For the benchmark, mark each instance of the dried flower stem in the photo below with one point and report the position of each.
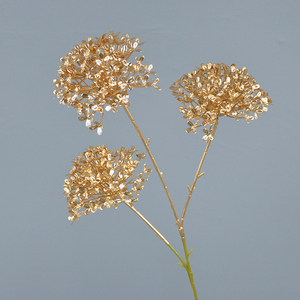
(154, 163)
(191, 189)
(181, 227)
(186, 264)
(157, 233)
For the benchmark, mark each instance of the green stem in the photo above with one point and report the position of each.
(189, 269)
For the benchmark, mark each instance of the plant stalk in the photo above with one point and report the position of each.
(188, 268)
(156, 232)
(197, 176)
(140, 135)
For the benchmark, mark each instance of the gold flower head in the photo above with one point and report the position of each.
(216, 90)
(101, 178)
(97, 73)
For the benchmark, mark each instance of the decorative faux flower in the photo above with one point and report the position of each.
(96, 76)
(101, 178)
(216, 90)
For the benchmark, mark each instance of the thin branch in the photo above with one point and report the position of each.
(154, 163)
(197, 176)
(156, 232)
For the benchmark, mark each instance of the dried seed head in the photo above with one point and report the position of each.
(101, 178)
(216, 90)
(97, 73)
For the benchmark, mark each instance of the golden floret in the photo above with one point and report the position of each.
(216, 90)
(101, 178)
(96, 76)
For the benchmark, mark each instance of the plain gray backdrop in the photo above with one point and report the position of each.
(243, 221)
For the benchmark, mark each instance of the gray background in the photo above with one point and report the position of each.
(243, 221)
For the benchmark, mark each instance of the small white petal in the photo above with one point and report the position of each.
(99, 130)
(88, 123)
(124, 49)
(108, 108)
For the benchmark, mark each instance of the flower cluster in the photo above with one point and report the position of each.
(216, 90)
(96, 76)
(101, 178)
